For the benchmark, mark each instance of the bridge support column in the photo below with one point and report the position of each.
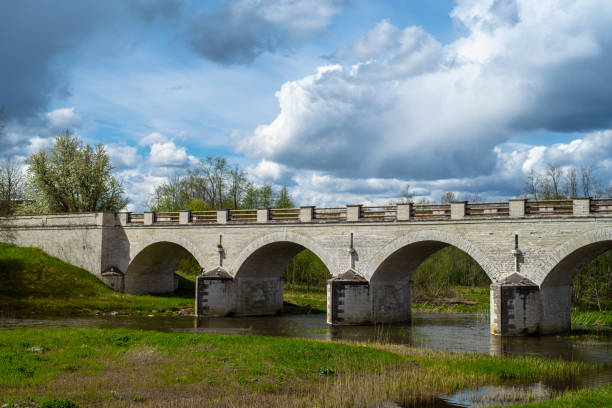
(391, 301)
(348, 300)
(215, 294)
(515, 307)
(556, 309)
(259, 296)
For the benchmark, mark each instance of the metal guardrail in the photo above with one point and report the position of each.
(329, 213)
(601, 205)
(284, 214)
(204, 216)
(136, 218)
(243, 215)
(488, 209)
(384, 212)
(549, 207)
(431, 210)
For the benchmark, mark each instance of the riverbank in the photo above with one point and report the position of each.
(36, 284)
(147, 368)
(599, 397)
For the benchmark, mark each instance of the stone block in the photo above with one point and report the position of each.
(353, 212)
(348, 300)
(222, 216)
(306, 213)
(582, 207)
(149, 218)
(184, 217)
(515, 307)
(517, 207)
(263, 215)
(458, 210)
(404, 211)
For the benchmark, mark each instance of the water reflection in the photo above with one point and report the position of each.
(447, 332)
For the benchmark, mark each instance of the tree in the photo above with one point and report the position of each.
(12, 185)
(587, 181)
(238, 185)
(407, 194)
(572, 183)
(531, 185)
(284, 199)
(71, 177)
(448, 197)
(554, 175)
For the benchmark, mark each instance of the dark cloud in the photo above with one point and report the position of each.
(37, 37)
(238, 32)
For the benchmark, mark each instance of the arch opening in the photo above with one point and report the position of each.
(155, 269)
(578, 289)
(282, 276)
(427, 274)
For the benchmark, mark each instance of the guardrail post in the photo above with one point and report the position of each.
(403, 211)
(353, 212)
(124, 217)
(582, 207)
(184, 217)
(517, 207)
(306, 213)
(222, 216)
(149, 218)
(458, 210)
(263, 215)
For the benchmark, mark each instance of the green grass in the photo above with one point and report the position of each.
(147, 368)
(34, 282)
(599, 397)
(298, 299)
(459, 299)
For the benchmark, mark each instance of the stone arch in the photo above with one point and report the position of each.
(153, 262)
(286, 243)
(415, 247)
(567, 259)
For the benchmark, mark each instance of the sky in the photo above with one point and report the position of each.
(342, 101)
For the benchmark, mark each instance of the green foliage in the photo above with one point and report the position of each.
(71, 177)
(284, 199)
(592, 286)
(307, 270)
(59, 403)
(213, 184)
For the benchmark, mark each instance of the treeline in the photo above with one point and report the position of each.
(214, 184)
(555, 183)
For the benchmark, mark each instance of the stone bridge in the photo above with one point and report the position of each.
(530, 250)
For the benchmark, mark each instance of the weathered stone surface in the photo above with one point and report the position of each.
(551, 250)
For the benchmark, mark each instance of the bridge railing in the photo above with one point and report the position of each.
(284, 214)
(243, 215)
(488, 209)
(385, 212)
(204, 216)
(549, 207)
(167, 217)
(329, 213)
(431, 210)
(516, 208)
(136, 218)
(601, 206)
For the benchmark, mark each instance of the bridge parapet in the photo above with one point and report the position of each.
(462, 210)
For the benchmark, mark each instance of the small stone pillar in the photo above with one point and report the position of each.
(582, 207)
(149, 218)
(348, 299)
(222, 216)
(458, 210)
(515, 306)
(353, 212)
(184, 217)
(215, 293)
(124, 218)
(517, 207)
(105, 218)
(306, 214)
(263, 215)
(404, 211)
(113, 278)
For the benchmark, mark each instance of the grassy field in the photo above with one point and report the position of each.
(599, 397)
(118, 368)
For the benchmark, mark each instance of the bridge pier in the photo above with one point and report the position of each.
(520, 307)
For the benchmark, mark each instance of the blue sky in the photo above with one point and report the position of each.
(342, 101)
